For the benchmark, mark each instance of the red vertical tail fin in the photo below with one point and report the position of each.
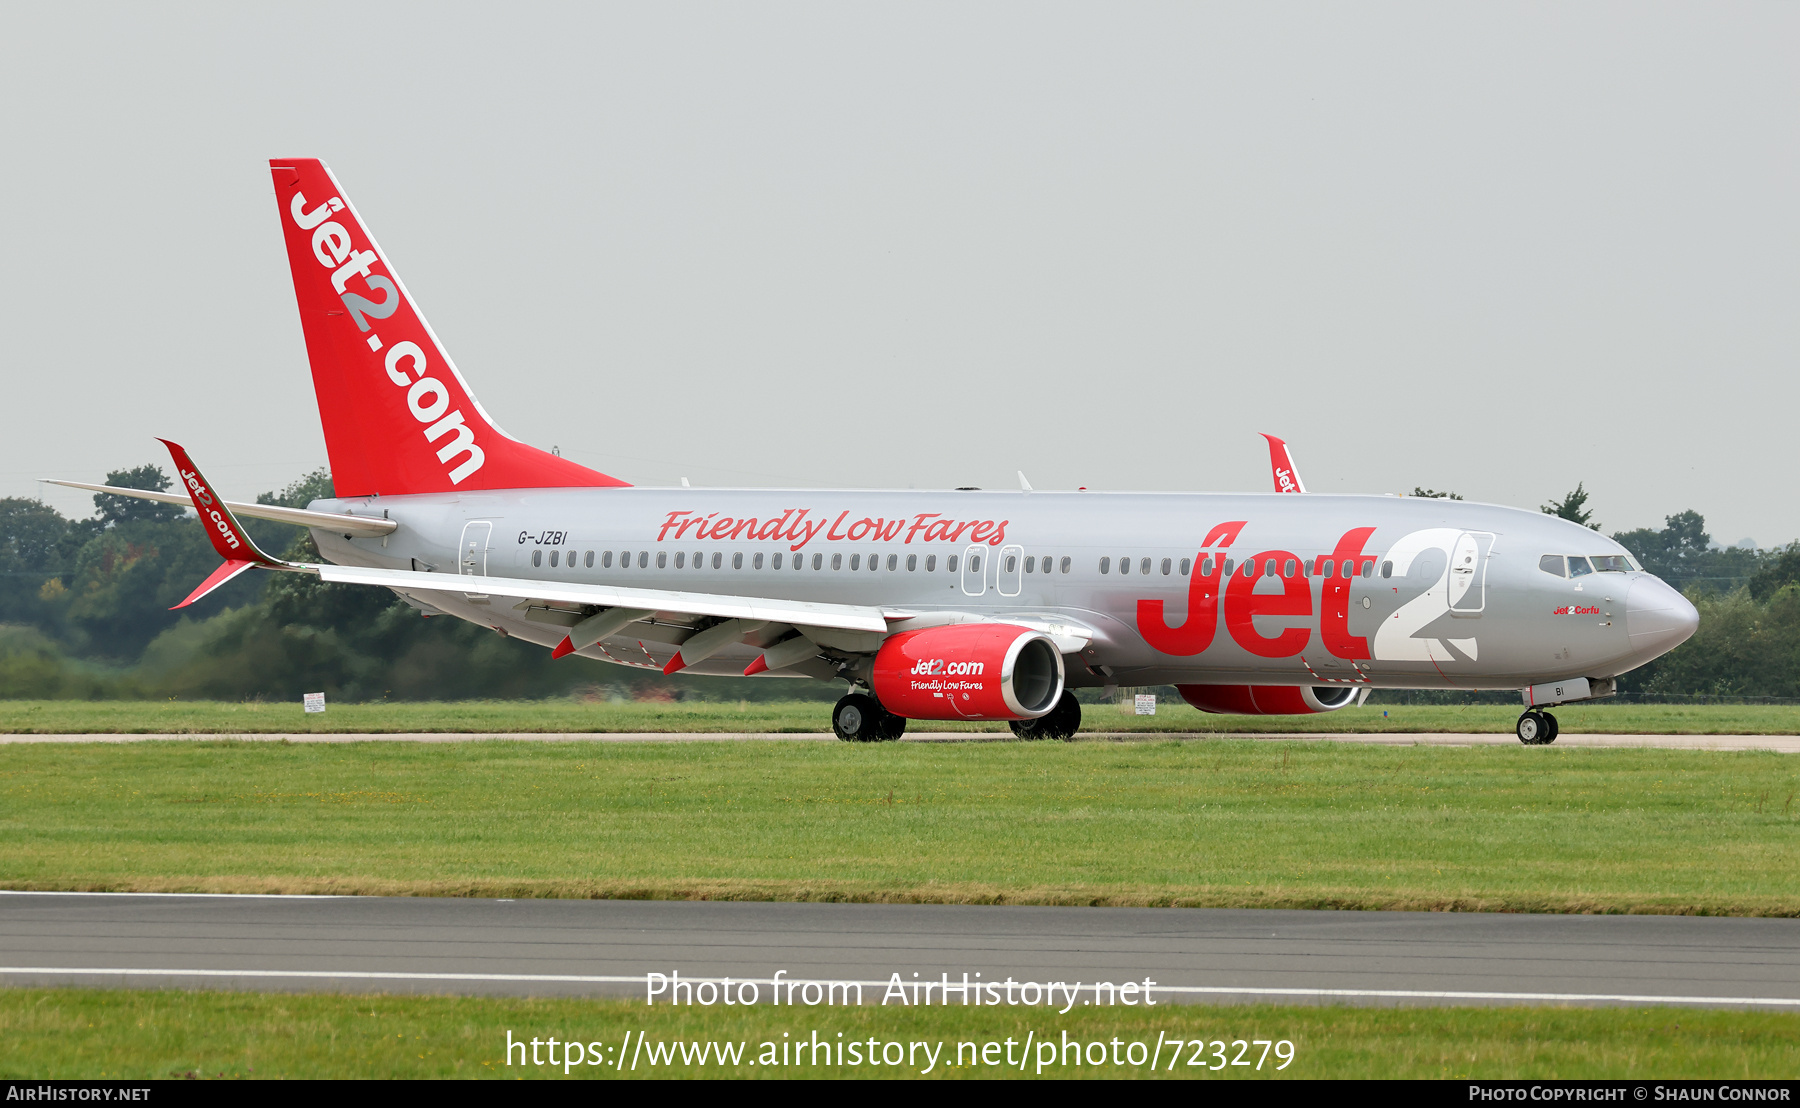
(398, 416)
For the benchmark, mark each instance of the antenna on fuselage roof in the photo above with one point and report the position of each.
(684, 483)
(1024, 485)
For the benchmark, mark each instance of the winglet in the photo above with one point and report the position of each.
(228, 535)
(1281, 465)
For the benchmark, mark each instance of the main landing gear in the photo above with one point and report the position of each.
(1061, 722)
(1537, 728)
(862, 719)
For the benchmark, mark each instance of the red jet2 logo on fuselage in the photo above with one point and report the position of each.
(1210, 594)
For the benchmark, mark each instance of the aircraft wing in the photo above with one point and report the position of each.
(342, 524)
(848, 617)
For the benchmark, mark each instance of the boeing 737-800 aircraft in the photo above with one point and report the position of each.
(957, 604)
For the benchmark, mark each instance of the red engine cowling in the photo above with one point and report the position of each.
(1268, 700)
(969, 671)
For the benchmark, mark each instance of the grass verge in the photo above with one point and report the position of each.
(1221, 824)
(577, 716)
(88, 1034)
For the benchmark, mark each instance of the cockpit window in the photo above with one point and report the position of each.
(1552, 564)
(1611, 563)
(1578, 567)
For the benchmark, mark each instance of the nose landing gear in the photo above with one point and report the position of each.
(1536, 728)
(862, 719)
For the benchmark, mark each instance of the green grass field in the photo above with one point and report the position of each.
(1226, 823)
(77, 1033)
(576, 716)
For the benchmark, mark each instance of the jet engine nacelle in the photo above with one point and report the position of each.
(1268, 700)
(969, 671)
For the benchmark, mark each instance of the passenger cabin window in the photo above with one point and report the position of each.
(775, 561)
(662, 559)
(537, 557)
(837, 561)
(1229, 565)
(1067, 563)
(1578, 567)
(950, 564)
(894, 562)
(1288, 568)
(1387, 569)
(1012, 562)
(912, 563)
(1124, 565)
(1611, 563)
(818, 561)
(1369, 568)
(1552, 564)
(1186, 564)
(1328, 569)
(756, 562)
(1268, 567)
(699, 560)
(589, 560)
(974, 563)
(737, 560)
(931, 563)
(681, 559)
(606, 559)
(1105, 565)
(718, 559)
(1144, 566)
(553, 555)
(1206, 566)
(1030, 564)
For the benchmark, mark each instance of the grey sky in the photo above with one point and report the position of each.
(1492, 248)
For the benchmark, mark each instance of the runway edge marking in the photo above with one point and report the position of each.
(635, 979)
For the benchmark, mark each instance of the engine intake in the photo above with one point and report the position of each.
(969, 671)
(1268, 700)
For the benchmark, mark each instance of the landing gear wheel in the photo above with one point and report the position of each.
(892, 726)
(1536, 728)
(858, 719)
(1060, 722)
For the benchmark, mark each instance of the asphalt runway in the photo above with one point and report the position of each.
(576, 947)
(1784, 744)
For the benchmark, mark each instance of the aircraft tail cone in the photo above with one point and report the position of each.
(562, 648)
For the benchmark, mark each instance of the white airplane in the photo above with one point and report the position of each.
(951, 604)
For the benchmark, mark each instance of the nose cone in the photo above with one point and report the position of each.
(1657, 618)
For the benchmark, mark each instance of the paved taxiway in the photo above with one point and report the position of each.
(575, 947)
(1784, 744)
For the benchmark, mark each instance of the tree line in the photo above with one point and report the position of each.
(84, 612)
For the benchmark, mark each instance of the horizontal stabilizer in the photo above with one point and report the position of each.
(342, 524)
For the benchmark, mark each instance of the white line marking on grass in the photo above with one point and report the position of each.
(641, 979)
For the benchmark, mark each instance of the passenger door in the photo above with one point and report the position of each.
(1467, 583)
